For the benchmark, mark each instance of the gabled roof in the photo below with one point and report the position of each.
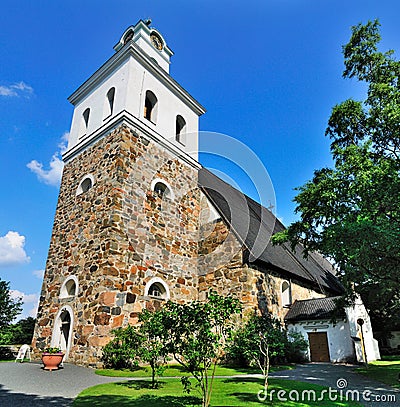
(254, 224)
(319, 308)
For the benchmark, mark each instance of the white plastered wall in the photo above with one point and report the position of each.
(355, 313)
(339, 338)
(131, 81)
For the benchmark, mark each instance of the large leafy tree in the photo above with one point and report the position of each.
(351, 212)
(10, 308)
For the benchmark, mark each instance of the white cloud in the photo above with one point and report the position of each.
(12, 249)
(51, 176)
(38, 273)
(16, 90)
(64, 142)
(29, 299)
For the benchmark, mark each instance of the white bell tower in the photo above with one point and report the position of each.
(134, 87)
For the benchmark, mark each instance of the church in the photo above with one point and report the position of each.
(139, 221)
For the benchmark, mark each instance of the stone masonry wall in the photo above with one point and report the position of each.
(115, 238)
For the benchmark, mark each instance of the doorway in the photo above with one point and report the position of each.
(319, 347)
(62, 331)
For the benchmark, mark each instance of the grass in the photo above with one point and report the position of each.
(13, 360)
(233, 392)
(386, 370)
(178, 371)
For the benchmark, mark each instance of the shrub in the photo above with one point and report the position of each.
(7, 352)
(122, 351)
(243, 350)
(295, 347)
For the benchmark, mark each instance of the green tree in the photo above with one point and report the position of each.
(10, 308)
(153, 348)
(350, 213)
(23, 330)
(244, 348)
(142, 343)
(197, 333)
(19, 333)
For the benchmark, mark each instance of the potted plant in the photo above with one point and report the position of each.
(51, 358)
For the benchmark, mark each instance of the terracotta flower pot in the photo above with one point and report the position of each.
(51, 361)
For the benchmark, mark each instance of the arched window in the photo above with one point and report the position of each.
(286, 294)
(109, 108)
(180, 129)
(85, 121)
(157, 288)
(86, 183)
(150, 106)
(69, 288)
(161, 188)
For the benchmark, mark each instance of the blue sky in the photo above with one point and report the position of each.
(268, 73)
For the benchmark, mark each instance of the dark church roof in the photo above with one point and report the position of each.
(319, 308)
(254, 224)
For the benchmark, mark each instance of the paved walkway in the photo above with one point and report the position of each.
(343, 377)
(26, 384)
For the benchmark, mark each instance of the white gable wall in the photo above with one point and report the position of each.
(339, 338)
(355, 313)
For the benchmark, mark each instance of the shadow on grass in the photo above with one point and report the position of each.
(142, 401)
(241, 380)
(141, 384)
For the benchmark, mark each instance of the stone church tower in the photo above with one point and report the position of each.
(140, 221)
(126, 224)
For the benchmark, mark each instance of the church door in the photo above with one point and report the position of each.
(319, 347)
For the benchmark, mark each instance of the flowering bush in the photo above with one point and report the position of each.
(52, 350)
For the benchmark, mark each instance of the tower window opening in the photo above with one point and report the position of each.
(128, 36)
(150, 106)
(85, 121)
(180, 129)
(110, 102)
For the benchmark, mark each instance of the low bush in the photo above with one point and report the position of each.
(283, 346)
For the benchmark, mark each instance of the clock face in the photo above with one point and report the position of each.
(156, 41)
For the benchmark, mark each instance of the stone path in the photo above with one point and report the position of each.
(27, 384)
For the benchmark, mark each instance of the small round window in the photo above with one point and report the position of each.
(69, 288)
(86, 183)
(157, 288)
(162, 189)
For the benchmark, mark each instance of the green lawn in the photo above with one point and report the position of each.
(386, 370)
(178, 371)
(226, 392)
